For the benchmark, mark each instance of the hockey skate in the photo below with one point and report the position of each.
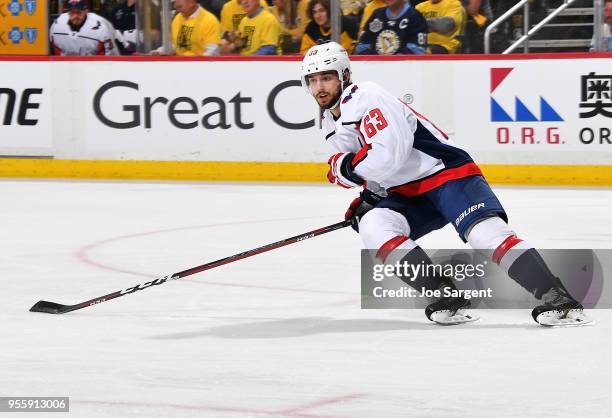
(450, 311)
(560, 310)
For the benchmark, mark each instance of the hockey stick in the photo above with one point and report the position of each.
(57, 308)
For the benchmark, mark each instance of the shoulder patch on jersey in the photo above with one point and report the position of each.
(375, 25)
(98, 24)
(350, 95)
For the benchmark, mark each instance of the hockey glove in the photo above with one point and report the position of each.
(361, 205)
(341, 171)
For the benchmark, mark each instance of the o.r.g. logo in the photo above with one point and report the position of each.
(524, 133)
(522, 112)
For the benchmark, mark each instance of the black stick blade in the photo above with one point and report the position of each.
(48, 307)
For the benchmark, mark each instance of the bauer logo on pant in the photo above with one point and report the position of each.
(467, 212)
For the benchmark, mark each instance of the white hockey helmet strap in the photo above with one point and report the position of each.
(330, 56)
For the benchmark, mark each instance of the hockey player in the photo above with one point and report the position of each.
(416, 180)
(396, 29)
(80, 32)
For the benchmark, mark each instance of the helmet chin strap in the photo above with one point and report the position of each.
(342, 87)
(337, 101)
(341, 78)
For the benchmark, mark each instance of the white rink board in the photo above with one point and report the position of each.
(25, 107)
(247, 131)
(215, 111)
(241, 128)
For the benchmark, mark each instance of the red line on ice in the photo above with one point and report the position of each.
(290, 412)
(321, 402)
(82, 254)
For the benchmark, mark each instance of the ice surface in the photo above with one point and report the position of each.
(277, 335)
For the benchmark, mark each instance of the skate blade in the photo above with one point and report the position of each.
(556, 319)
(460, 317)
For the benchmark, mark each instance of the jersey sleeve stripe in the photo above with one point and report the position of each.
(361, 155)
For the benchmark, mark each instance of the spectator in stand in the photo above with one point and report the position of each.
(446, 21)
(396, 29)
(232, 13)
(375, 5)
(353, 9)
(479, 16)
(293, 18)
(81, 32)
(318, 29)
(606, 29)
(258, 32)
(123, 18)
(195, 31)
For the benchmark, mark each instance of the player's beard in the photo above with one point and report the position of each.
(77, 23)
(332, 102)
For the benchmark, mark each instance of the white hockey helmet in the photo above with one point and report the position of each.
(330, 56)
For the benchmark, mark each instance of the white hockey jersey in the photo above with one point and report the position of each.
(393, 145)
(95, 37)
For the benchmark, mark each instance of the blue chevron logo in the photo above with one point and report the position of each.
(523, 113)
